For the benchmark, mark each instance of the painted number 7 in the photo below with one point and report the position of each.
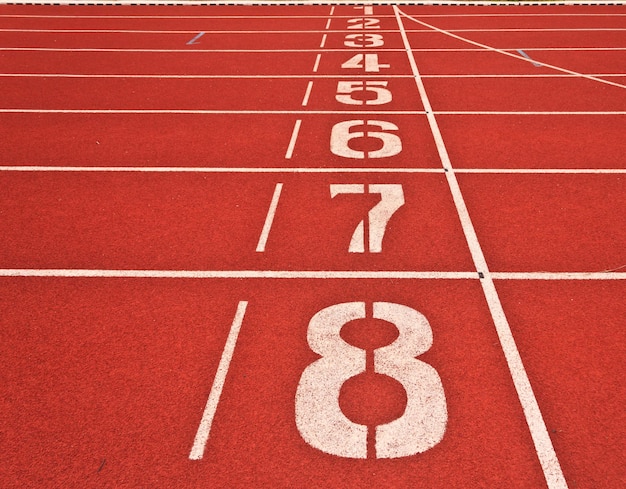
(392, 198)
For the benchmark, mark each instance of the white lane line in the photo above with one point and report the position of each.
(527, 112)
(318, 112)
(306, 31)
(184, 77)
(525, 75)
(317, 62)
(194, 51)
(559, 275)
(307, 94)
(235, 274)
(323, 43)
(270, 51)
(204, 430)
(269, 219)
(292, 141)
(223, 169)
(543, 444)
(301, 274)
(543, 171)
(449, 33)
(204, 169)
(206, 112)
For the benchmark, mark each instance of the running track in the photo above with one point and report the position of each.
(211, 216)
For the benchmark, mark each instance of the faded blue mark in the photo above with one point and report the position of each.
(193, 41)
(535, 64)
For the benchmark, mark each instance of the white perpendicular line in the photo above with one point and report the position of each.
(539, 433)
(293, 139)
(204, 430)
(269, 219)
(450, 33)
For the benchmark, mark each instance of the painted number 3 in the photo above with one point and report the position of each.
(319, 418)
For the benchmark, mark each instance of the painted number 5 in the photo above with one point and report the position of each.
(319, 418)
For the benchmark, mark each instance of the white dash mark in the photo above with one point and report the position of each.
(307, 94)
(323, 43)
(294, 137)
(202, 436)
(332, 10)
(317, 62)
(269, 220)
(328, 24)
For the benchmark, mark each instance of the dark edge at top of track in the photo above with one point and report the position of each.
(209, 3)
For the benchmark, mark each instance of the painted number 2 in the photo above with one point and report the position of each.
(319, 418)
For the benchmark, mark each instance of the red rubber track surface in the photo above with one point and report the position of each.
(144, 146)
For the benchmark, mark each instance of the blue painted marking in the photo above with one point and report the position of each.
(193, 41)
(535, 64)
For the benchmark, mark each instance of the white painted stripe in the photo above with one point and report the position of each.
(269, 219)
(541, 438)
(323, 43)
(559, 275)
(449, 33)
(535, 75)
(204, 430)
(317, 62)
(300, 112)
(189, 51)
(526, 112)
(204, 169)
(303, 50)
(328, 24)
(177, 17)
(302, 274)
(205, 112)
(543, 171)
(292, 141)
(234, 274)
(295, 76)
(303, 31)
(307, 94)
(184, 77)
(307, 31)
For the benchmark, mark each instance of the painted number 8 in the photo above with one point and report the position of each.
(319, 418)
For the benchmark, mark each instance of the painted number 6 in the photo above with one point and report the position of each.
(340, 137)
(319, 418)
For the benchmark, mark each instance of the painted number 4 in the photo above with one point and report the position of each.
(319, 418)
